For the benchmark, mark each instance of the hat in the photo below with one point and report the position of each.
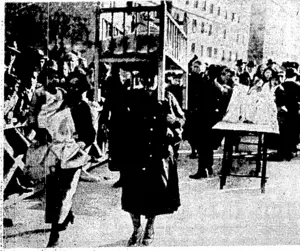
(240, 62)
(291, 72)
(251, 64)
(14, 47)
(270, 62)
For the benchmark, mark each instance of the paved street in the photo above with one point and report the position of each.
(237, 215)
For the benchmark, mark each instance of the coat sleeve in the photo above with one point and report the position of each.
(83, 123)
(176, 115)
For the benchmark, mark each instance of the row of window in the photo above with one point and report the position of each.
(213, 52)
(212, 10)
(210, 31)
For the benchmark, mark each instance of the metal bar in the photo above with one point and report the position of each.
(227, 160)
(258, 157)
(135, 31)
(264, 166)
(131, 9)
(161, 52)
(245, 176)
(176, 24)
(148, 30)
(124, 32)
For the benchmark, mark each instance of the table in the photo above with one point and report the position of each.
(258, 130)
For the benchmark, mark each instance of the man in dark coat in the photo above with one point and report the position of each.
(288, 101)
(213, 100)
(150, 179)
(116, 113)
(196, 79)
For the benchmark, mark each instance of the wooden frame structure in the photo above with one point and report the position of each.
(141, 36)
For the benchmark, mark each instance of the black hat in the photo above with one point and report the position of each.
(291, 72)
(251, 64)
(270, 62)
(240, 62)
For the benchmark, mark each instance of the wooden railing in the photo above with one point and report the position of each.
(176, 42)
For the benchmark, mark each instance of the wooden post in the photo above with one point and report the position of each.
(161, 50)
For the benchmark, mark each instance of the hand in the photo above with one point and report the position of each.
(81, 144)
(171, 119)
(170, 134)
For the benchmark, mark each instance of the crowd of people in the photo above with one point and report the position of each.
(52, 103)
(259, 94)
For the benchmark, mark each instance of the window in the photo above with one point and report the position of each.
(204, 6)
(226, 14)
(224, 34)
(210, 30)
(193, 47)
(230, 55)
(194, 25)
(211, 11)
(236, 56)
(201, 50)
(219, 11)
(209, 52)
(187, 2)
(239, 19)
(177, 16)
(223, 56)
(215, 52)
(202, 27)
(232, 16)
(196, 4)
(237, 37)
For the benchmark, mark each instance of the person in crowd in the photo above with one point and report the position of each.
(251, 70)
(288, 100)
(116, 112)
(196, 79)
(64, 126)
(176, 115)
(242, 73)
(211, 99)
(150, 179)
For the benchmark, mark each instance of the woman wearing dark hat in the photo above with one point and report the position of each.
(150, 179)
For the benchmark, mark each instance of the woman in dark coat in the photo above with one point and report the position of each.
(150, 180)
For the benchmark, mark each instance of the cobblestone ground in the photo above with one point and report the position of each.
(237, 215)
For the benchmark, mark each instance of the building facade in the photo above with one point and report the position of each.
(218, 31)
(275, 31)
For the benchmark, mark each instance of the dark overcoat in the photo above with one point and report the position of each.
(150, 174)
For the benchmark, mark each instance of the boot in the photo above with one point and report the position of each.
(149, 232)
(137, 231)
(54, 237)
(69, 219)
